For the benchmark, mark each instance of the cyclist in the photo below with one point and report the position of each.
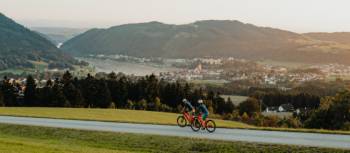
(203, 109)
(187, 106)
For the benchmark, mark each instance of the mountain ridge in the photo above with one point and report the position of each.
(215, 38)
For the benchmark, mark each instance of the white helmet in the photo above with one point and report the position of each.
(200, 101)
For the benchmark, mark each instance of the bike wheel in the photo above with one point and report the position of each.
(181, 121)
(196, 125)
(210, 126)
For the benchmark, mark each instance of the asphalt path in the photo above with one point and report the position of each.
(275, 137)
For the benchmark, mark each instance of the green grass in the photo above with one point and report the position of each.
(29, 139)
(133, 116)
(111, 115)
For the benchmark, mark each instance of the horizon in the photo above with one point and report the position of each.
(296, 16)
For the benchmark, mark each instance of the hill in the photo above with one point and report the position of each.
(207, 38)
(339, 37)
(58, 35)
(21, 47)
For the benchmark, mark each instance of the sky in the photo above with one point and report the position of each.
(294, 15)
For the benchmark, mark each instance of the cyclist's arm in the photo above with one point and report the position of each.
(183, 109)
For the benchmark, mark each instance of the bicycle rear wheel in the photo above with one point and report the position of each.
(196, 125)
(210, 126)
(181, 121)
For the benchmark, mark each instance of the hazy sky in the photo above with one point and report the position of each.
(295, 15)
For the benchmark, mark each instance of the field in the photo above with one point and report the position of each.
(30, 139)
(110, 115)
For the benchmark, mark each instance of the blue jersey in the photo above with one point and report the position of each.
(202, 108)
(188, 106)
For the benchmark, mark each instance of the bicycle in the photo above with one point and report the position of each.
(198, 124)
(184, 118)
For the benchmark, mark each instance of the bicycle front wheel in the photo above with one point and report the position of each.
(181, 121)
(210, 126)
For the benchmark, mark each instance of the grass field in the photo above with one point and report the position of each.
(111, 115)
(133, 116)
(28, 139)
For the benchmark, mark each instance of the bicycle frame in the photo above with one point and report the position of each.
(200, 119)
(188, 117)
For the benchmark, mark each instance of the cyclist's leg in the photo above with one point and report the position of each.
(205, 115)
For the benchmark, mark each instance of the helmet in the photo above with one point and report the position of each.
(200, 101)
(184, 100)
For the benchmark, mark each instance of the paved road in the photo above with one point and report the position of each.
(293, 138)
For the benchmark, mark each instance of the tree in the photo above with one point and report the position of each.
(141, 105)
(130, 104)
(333, 114)
(9, 93)
(220, 105)
(29, 92)
(112, 76)
(245, 117)
(121, 91)
(58, 98)
(103, 95)
(157, 104)
(249, 106)
(229, 106)
(67, 77)
(73, 95)
(1, 99)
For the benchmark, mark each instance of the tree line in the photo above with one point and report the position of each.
(297, 100)
(112, 91)
(152, 93)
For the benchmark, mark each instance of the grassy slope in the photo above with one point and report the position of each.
(111, 115)
(27, 139)
(132, 116)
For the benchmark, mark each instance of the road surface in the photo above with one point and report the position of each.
(289, 138)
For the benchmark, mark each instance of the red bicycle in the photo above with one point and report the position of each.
(199, 123)
(184, 118)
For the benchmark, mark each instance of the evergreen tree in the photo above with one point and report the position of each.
(103, 95)
(250, 106)
(89, 90)
(44, 95)
(121, 92)
(112, 76)
(67, 77)
(229, 107)
(58, 98)
(29, 92)
(73, 95)
(9, 93)
(221, 105)
(112, 84)
(1, 99)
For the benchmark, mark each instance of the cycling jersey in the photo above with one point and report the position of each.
(202, 108)
(188, 106)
